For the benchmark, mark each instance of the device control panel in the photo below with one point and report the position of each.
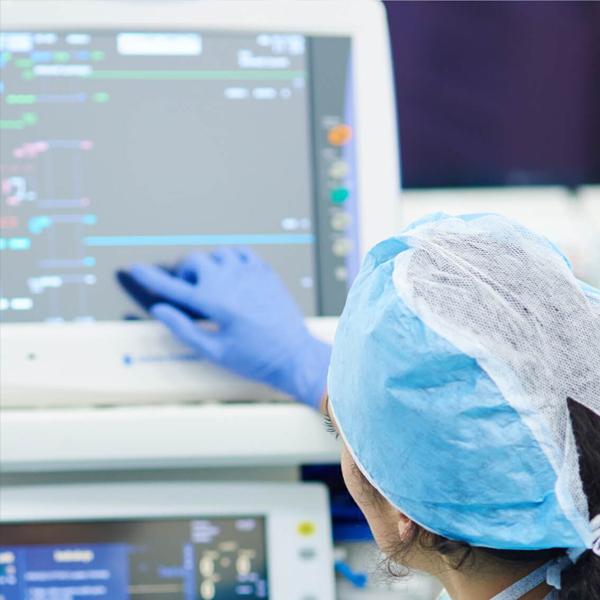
(174, 541)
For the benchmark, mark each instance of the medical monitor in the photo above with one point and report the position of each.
(167, 541)
(141, 131)
(134, 146)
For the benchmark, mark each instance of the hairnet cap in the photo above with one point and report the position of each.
(460, 343)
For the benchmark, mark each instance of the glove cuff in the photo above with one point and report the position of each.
(309, 381)
(303, 372)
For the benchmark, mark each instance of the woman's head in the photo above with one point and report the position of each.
(410, 546)
(461, 340)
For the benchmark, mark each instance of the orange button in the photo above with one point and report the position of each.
(339, 135)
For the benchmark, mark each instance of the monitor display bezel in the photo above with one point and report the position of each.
(284, 506)
(37, 353)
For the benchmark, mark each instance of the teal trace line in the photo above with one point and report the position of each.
(199, 240)
(15, 243)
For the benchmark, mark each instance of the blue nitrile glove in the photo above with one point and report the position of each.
(260, 332)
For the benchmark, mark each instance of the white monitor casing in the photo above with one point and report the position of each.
(298, 530)
(74, 364)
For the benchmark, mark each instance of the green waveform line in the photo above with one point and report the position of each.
(242, 75)
(11, 124)
(21, 99)
(62, 57)
(101, 97)
(27, 120)
(23, 63)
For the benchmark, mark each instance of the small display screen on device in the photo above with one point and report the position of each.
(220, 558)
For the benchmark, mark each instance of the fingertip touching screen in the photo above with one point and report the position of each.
(121, 147)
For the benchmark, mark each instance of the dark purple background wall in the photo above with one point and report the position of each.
(493, 93)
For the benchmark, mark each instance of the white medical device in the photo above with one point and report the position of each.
(176, 541)
(138, 131)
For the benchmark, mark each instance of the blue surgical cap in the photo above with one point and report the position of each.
(460, 342)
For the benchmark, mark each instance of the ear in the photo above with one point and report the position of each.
(404, 524)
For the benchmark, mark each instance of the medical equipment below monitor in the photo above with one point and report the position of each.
(137, 132)
(187, 541)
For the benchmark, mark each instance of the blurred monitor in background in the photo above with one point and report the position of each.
(497, 93)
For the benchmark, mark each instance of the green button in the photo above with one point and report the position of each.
(339, 195)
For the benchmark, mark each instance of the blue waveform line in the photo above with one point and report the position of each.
(62, 98)
(67, 263)
(200, 240)
(39, 56)
(38, 223)
(62, 202)
(15, 243)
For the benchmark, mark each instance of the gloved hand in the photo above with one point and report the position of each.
(260, 333)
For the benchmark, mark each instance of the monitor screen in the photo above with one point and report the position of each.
(199, 559)
(120, 147)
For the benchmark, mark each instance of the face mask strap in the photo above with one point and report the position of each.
(556, 567)
(595, 524)
(554, 571)
(518, 589)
